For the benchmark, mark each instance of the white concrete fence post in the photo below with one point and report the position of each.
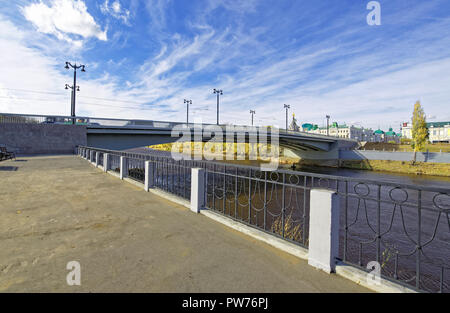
(197, 189)
(149, 172)
(86, 152)
(123, 167)
(323, 229)
(91, 156)
(97, 155)
(105, 162)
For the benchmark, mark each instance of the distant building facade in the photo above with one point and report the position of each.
(389, 136)
(437, 131)
(344, 131)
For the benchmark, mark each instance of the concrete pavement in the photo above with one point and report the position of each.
(56, 209)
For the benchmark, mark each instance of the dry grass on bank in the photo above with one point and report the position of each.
(404, 167)
(383, 146)
(418, 168)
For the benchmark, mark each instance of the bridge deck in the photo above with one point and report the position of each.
(58, 209)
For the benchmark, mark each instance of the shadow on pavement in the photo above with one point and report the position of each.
(8, 168)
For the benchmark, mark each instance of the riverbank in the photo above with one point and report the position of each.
(384, 146)
(402, 167)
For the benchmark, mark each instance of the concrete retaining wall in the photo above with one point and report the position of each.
(42, 138)
(431, 157)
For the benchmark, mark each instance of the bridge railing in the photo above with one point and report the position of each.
(401, 231)
(97, 122)
(82, 120)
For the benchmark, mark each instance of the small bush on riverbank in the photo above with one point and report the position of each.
(291, 231)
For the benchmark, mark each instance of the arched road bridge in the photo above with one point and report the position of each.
(121, 134)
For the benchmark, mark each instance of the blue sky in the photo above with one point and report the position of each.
(144, 57)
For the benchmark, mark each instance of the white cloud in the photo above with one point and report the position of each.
(66, 19)
(115, 10)
(32, 81)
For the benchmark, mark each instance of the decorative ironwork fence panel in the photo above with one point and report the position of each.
(173, 177)
(405, 229)
(136, 169)
(274, 202)
(114, 160)
(100, 158)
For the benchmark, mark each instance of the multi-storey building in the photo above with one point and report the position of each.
(389, 136)
(343, 131)
(437, 131)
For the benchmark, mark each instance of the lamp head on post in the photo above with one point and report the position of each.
(252, 112)
(74, 87)
(287, 107)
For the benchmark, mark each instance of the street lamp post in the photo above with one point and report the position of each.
(187, 109)
(218, 92)
(74, 87)
(287, 107)
(328, 125)
(252, 112)
(72, 99)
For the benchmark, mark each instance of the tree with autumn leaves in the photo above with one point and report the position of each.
(419, 129)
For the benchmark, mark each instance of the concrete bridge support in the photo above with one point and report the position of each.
(324, 158)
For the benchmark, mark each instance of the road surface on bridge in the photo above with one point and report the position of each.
(57, 209)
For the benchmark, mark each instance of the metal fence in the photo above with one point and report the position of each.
(81, 120)
(274, 202)
(136, 169)
(114, 162)
(173, 176)
(405, 228)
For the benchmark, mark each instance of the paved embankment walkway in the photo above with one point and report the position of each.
(57, 209)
